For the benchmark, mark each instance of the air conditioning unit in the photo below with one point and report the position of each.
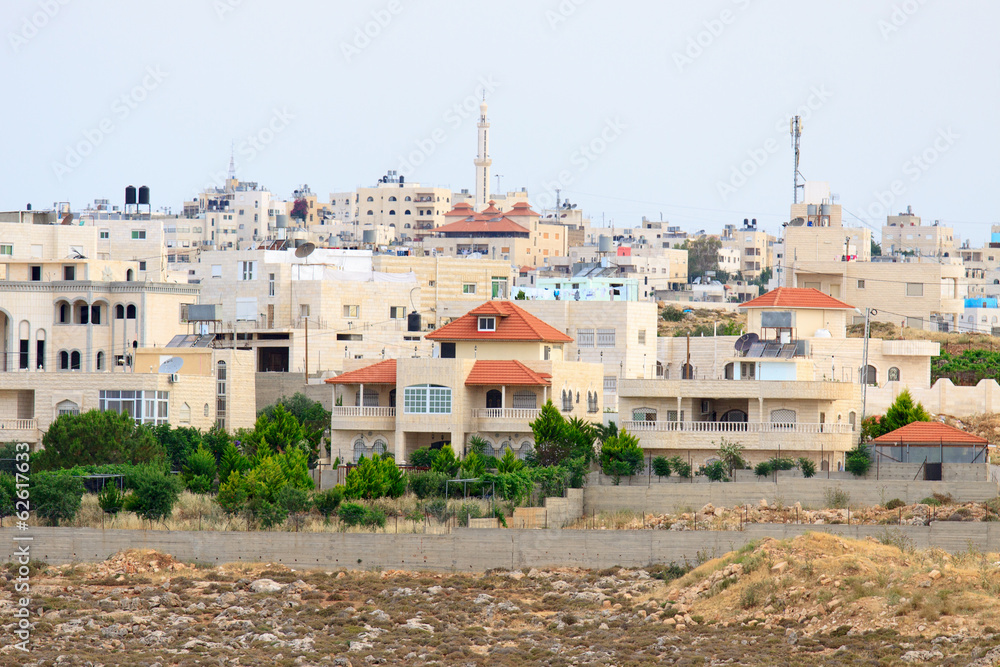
(174, 377)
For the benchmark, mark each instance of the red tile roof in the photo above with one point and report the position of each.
(930, 433)
(504, 372)
(462, 210)
(473, 225)
(521, 208)
(384, 372)
(796, 297)
(513, 324)
(527, 269)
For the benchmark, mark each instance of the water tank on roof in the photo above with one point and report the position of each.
(144, 195)
(369, 236)
(824, 209)
(604, 243)
(413, 322)
(811, 209)
(281, 221)
(130, 195)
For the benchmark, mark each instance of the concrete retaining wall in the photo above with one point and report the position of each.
(465, 549)
(812, 493)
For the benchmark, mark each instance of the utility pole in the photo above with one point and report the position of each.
(307, 349)
(795, 128)
(864, 363)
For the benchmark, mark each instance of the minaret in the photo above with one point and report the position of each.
(483, 160)
(231, 182)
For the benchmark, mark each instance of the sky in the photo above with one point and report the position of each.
(670, 110)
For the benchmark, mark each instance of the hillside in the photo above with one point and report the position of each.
(814, 600)
(700, 321)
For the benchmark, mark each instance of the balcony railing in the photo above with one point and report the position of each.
(363, 411)
(18, 424)
(518, 414)
(736, 427)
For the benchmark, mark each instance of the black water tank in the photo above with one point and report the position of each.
(413, 322)
(144, 195)
(130, 195)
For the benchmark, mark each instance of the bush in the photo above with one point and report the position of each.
(422, 457)
(837, 499)
(621, 455)
(232, 494)
(859, 461)
(468, 511)
(781, 464)
(95, 438)
(895, 503)
(56, 497)
(807, 466)
(111, 499)
(328, 501)
(8, 496)
(438, 508)
(295, 501)
(509, 462)
(762, 469)
(661, 466)
(377, 477)
(355, 514)
(681, 467)
(933, 502)
(154, 493)
(267, 514)
(446, 462)
(199, 472)
(715, 471)
(671, 314)
(427, 484)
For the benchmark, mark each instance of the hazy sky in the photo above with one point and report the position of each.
(667, 108)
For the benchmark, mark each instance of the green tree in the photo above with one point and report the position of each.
(295, 503)
(232, 461)
(199, 471)
(277, 430)
(661, 466)
(311, 415)
(473, 465)
(509, 463)
(111, 499)
(56, 497)
(904, 410)
(731, 455)
(294, 464)
(179, 443)
(680, 466)
(8, 496)
(422, 457)
(552, 446)
(377, 477)
(328, 501)
(703, 254)
(859, 461)
(216, 439)
(232, 496)
(807, 466)
(620, 456)
(445, 461)
(581, 435)
(477, 445)
(154, 493)
(96, 438)
(876, 249)
(714, 471)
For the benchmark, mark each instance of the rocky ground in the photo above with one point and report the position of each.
(814, 600)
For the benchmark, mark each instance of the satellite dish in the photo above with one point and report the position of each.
(305, 250)
(744, 342)
(796, 222)
(67, 219)
(171, 365)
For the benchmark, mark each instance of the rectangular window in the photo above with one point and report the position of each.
(36, 273)
(217, 270)
(69, 272)
(610, 384)
(914, 289)
(397, 312)
(861, 284)
(487, 324)
(142, 266)
(105, 234)
(642, 336)
(427, 399)
(248, 270)
(246, 309)
(6, 249)
(499, 288)
(304, 310)
(23, 361)
(146, 407)
(270, 284)
(468, 288)
(585, 338)
(605, 338)
(138, 234)
(352, 311)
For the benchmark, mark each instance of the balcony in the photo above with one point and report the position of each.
(368, 417)
(504, 419)
(740, 389)
(19, 430)
(767, 436)
(735, 427)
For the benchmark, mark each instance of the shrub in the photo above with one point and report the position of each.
(427, 484)
(468, 511)
(95, 438)
(933, 502)
(577, 470)
(509, 463)
(837, 498)
(661, 466)
(328, 501)
(858, 461)
(199, 472)
(473, 465)
(422, 457)
(781, 464)
(373, 478)
(681, 467)
(111, 499)
(438, 508)
(154, 493)
(714, 471)
(267, 514)
(671, 314)
(56, 497)
(354, 514)
(477, 444)
(895, 503)
(8, 496)
(232, 461)
(731, 455)
(232, 494)
(621, 455)
(762, 469)
(807, 466)
(446, 462)
(295, 501)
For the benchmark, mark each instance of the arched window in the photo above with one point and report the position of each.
(392, 198)
(95, 313)
(490, 449)
(63, 360)
(852, 419)
(371, 199)
(119, 312)
(100, 361)
(40, 349)
(868, 375)
(74, 360)
(734, 416)
(65, 316)
(406, 226)
(567, 400)
(407, 212)
(184, 414)
(525, 400)
(392, 211)
(524, 450)
(494, 398)
(893, 374)
(407, 198)
(503, 448)
(392, 397)
(67, 407)
(371, 212)
(730, 374)
(359, 449)
(130, 312)
(379, 447)
(129, 276)
(83, 312)
(687, 372)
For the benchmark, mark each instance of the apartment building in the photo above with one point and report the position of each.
(905, 234)
(411, 210)
(497, 365)
(753, 246)
(817, 208)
